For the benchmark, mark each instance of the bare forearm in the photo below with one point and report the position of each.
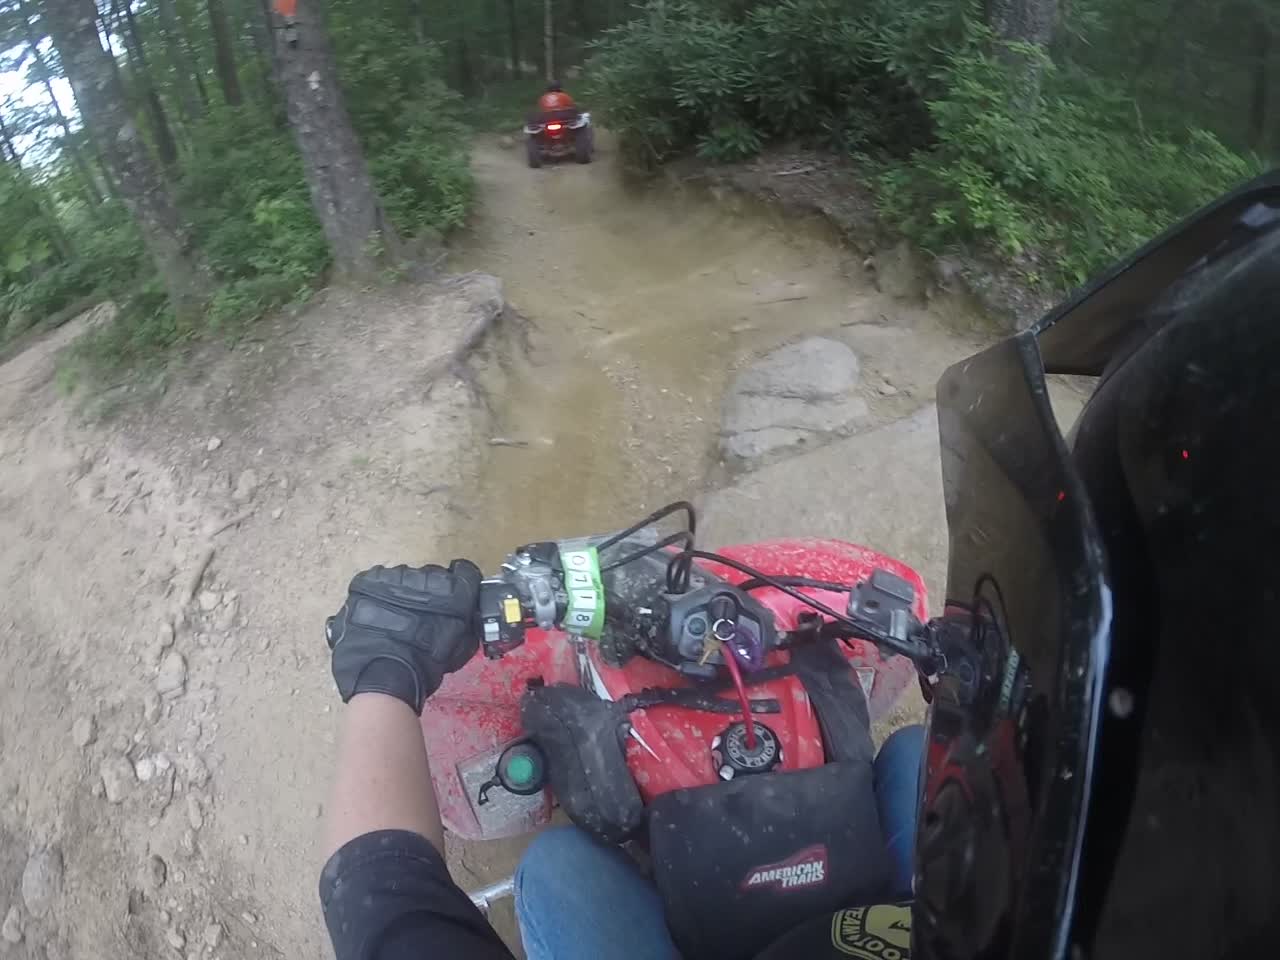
(383, 781)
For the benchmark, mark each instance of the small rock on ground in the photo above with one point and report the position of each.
(209, 600)
(42, 881)
(195, 814)
(117, 778)
(171, 681)
(155, 874)
(213, 936)
(84, 731)
(11, 930)
(246, 486)
(213, 444)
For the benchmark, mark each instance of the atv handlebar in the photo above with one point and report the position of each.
(562, 585)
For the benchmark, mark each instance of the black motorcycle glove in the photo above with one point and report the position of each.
(403, 628)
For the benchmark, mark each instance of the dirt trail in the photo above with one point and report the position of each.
(167, 722)
(644, 300)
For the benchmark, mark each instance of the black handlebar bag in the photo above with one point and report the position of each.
(740, 863)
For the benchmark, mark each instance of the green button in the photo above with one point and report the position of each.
(520, 770)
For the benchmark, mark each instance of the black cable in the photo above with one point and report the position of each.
(653, 518)
(675, 538)
(756, 583)
(859, 630)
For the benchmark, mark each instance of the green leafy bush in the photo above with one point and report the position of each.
(1071, 179)
(723, 80)
(37, 281)
(962, 149)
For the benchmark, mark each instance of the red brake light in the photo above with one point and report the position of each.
(553, 126)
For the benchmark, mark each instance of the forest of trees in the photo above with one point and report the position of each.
(203, 161)
(1059, 134)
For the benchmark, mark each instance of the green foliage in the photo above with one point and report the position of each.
(971, 141)
(725, 78)
(1071, 180)
(407, 117)
(37, 281)
(247, 202)
(240, 186)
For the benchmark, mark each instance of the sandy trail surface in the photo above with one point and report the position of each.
(167, 719)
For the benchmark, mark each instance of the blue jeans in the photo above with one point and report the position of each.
(577, 899)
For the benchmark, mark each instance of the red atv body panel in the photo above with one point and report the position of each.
(477, 710)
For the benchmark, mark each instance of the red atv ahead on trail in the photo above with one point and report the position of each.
(558, 129)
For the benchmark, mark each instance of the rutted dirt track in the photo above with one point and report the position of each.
(166, 713)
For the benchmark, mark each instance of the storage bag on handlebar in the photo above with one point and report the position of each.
(581, 737)
(740, 863)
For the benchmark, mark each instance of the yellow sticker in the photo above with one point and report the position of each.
(873, 933)
(511, 610)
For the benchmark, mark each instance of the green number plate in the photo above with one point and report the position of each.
(582, 582)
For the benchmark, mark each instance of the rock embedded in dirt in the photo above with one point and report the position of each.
(797, 394)
(175, 939)
(213, 444)
(246, 486)
(277, 513)
(11, 929)
(84, 731)
(42, 881)
(117, 778)
(213, 936)
(196, 772)
(151, 705)
(209, 600)
(171, 681)
(225, 618)
(901, 272)
(144, 768)
(155, 873)
(195, 815)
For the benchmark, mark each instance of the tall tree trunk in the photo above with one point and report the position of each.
(106, 115)
(549, 39)
(342, 191)
(193, 55)
(260, 38)
(224, 56)
(418, 20)
(1258, 107)
(466, 69)
(68, 140)
(181, 62)
(8, 152)
(513, 31)
(166, 145)
(1024, 21)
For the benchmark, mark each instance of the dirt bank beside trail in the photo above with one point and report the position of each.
(166, 714)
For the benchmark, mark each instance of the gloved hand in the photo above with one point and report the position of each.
(403, 628)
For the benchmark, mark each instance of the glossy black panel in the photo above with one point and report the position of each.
(1016, 711)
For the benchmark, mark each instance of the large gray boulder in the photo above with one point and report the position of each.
(799, 394)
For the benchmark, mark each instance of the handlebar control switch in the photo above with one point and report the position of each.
(884, 602)
(501, 619)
